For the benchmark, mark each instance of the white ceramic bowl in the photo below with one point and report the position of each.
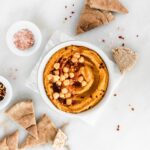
(91, 114)
(17, 27)
(9, 93)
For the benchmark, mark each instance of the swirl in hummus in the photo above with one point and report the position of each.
(75, 79)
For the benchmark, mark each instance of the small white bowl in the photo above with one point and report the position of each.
(90, 116)
(9, 93)
(19, 26)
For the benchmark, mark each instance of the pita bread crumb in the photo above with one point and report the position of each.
(107, 5)
(23, 113)
(125, 58)
(46, 133)
(10, 142)
(60, 140)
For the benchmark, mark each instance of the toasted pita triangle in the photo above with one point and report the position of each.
(91, 18)
(10, 142)
(125, 58)
(60, 140)
(46, 133)
(107, 5)
(23, 114)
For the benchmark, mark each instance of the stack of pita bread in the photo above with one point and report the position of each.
(98, 12)
(41, 133)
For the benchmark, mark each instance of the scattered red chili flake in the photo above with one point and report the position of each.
(132, 109)
(123, 45)
(65, 18)
(72, 12)
(121, 37)
(115, 94)
(118, 127)
(103, 40)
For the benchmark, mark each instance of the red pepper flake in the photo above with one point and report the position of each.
(72, 12)
(123, 45)
(103, 40)
(65, 18)
(132, 109)
(118, 127)
(121, 37)
(115, 94)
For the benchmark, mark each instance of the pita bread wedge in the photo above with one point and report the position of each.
(107, 5)
(91, 18)
(125, 58)
(23, 114)
(10, 142)
(46, 133)
(60, 140)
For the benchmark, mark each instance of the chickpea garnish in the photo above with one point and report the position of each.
(71, 75)
(74, 60)
(57, 66)
(50, 77)
(65, 69)
(80, 79)
(56, 78)
(56, 72)
(64, 90)
(56, 95)
(62, 95)
(69, 101)
(76, 55)
(66, 75)
(62, 78)
(81, 60)
(84, 83)
(59, 83)
(68, 95)
(66, 82)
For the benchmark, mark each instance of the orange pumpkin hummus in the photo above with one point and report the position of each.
(75, 79)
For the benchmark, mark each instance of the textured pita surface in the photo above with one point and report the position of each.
(107, 5)
(125, 58)
(91, 18)
(23, 114)
(10, 142)
(60, 140)
(46, 133)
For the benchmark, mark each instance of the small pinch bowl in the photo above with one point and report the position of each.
(17, 27)
(9, 93)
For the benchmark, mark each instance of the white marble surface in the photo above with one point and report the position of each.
(134, 90)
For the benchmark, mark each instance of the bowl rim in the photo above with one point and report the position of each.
(9, 93)
(18, 26)
(44, 62)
